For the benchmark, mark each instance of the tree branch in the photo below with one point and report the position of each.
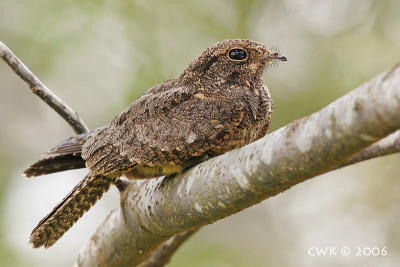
(39, 89)
(162, 255)
(386, 146)
(154, 210)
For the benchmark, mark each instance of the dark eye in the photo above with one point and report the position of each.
(237, 54)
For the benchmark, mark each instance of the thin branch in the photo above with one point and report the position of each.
(42, 91)
(386, 146)
(164, 253)
(156, 209)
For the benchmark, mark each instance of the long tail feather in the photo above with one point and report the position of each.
(65, 156)
(54, 164)
(70, 209)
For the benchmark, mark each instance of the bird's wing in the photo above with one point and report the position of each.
(172, 126)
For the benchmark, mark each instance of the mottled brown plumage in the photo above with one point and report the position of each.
(219, 103)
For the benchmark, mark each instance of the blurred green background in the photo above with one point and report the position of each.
(99, 56)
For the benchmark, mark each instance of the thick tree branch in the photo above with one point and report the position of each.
(154, 210)
(39, 89)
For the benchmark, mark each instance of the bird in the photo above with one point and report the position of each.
(219, 103)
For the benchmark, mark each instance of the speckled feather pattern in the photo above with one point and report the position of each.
(70, 209)
(216, 105)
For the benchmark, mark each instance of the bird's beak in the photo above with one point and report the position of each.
(276, 56)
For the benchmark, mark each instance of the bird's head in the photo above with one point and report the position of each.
(232, 61)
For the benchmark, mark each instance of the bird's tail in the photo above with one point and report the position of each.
(70, 209)
(65, 156)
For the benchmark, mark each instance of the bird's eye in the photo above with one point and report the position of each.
(237, 54)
